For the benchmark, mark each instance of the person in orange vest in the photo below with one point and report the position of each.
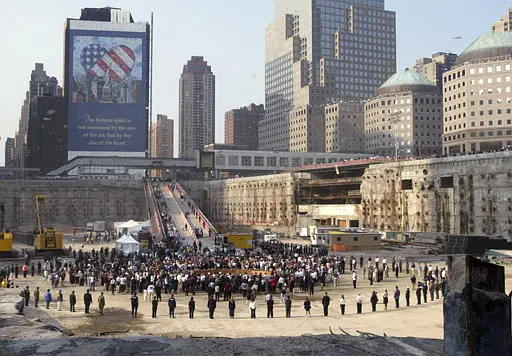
(25, 271)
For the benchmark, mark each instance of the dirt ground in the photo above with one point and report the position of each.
(43, 331)
(424, 320)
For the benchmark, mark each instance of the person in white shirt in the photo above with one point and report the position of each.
(359, 301)
(113, 285)
(252, 307)
(342, 304)
(354, 278)
(151, 291)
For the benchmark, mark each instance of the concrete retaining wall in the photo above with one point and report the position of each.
(72, 202)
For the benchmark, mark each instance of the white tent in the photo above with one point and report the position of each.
(127, 244)
(130, 227)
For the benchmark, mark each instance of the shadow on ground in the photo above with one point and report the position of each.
(304, 345)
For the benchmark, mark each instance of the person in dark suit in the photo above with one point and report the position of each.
(72, 301)
(172, 306)
(154, 304)
(191, 308)
(407, 296)
(374, 300)
(307, 307)
(326, 300)
(270, 307)
(212, 304)
(418, 293)
(425, 292)
(232, 307)
(397, 297)
(135, 304)
(288, 307)
(87, 301)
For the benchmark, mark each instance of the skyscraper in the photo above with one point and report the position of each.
(47, 135)
(319, 52)
(40, 84)
(504, 24)
(241, 126)
(434, 67)
(107, 86)
(20, 139)
(162, 142)
(9, 153)
(197, 107)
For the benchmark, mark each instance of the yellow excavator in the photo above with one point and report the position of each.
(5, 236)
(45, 238)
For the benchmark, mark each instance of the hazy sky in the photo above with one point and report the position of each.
(230, 34)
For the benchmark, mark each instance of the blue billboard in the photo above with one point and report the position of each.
(107, 91)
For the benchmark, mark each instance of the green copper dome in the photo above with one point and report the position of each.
(492, 44)
(406, 81)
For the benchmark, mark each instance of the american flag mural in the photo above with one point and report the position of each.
(107, 69)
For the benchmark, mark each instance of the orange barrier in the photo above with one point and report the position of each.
(233, 272)
(339, 248)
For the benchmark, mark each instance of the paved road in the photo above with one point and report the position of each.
(177, 210)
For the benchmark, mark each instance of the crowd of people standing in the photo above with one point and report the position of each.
(172, 267)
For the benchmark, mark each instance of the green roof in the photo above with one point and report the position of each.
(407, 78)
(490, 40)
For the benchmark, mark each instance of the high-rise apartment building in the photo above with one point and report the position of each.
(405, 117)
(241, 126)
(435, 67)
(197, 107)
(9, 153)
(504, 24)
(162, 142)
(477, 97)
(319, 52)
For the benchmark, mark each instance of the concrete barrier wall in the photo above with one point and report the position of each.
(71, 202)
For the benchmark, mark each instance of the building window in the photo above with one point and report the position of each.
(246, 161)
(296, 162)
(283, 161)
(307, 161)
(447, 182)
(233, 160)
(406, 184)
(259, 161)
(220, 160)
(271, 161)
